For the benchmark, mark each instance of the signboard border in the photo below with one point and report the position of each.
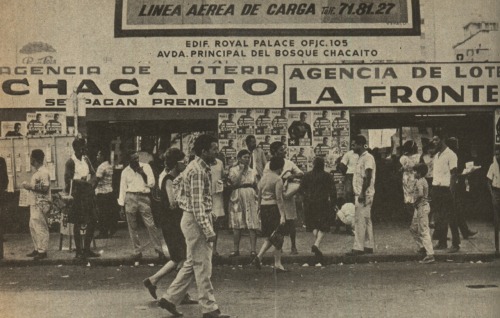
(120, 32)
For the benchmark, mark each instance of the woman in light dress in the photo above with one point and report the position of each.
(408, 160)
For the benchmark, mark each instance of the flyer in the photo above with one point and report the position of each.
(299, 128)
(13, 128)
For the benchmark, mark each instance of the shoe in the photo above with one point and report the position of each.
(89, 253)
(440, 246)
(188, 300)
(421, 251)
(151, 288)
(234, 254)
(168, 306)
(32, 254)
(253, 254)
(429, 259)
(453, 249)
(256, 262)
(368, 250)
(80, 256)
(316, 251)
(294, 251)
(355, 253)
(137, 256)
(281, 270)
(101, 236)
(40, 256)
(215, 314)
(470, 234)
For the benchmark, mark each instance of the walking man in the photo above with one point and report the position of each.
(364, 190)
(196, 202)
(39, 205)
(135, 186)
(443, 190)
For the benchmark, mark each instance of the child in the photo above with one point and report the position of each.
(420, 224)
(345, 215)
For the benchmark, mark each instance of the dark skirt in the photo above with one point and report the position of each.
(84, 210)
(172, 233)
(317, 215)
(269, 218)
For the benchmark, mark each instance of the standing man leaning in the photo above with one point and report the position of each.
(347, 166)
(257, 156)
(443, 191)
(136, 182)
(39, 205)
(364, 190)
(196, 202)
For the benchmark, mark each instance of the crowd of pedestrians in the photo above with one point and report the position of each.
(260, 199)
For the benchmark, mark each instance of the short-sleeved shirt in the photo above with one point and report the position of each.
(105, 174)
(289, 166)
(421, 192)
(365, 162)
(350, 159)
(494, 174)
(444, 162)
(41, 177)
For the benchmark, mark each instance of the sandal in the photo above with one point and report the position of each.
(235, 253)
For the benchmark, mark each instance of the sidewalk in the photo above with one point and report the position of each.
(393, 243)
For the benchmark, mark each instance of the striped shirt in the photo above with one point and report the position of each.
(105, 174)
(197, 192)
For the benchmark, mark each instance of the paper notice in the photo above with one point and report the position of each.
(8, 162)
(24, 197)
(18, 162)
(28, 162)
(48, 153)
(10, 187)
(52, 171)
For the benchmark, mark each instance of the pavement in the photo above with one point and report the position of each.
(393, 243)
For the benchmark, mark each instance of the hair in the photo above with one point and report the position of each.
(203, 142)
(78, 143)
(243, 152)
(38, 155)
(421, 168)
(340, 202)
(441, 134)
(410, 147)
(17, 125)
(56, 115)
(275, 146)
(318, 164)
(360, 140)
(248, 138)
(276, 163)
(302, 114)
(105, 153)
(172, 156)
(452, 143)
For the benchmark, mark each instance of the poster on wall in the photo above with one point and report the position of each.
(228, 150)
(35, 124)
(497, 126)
(227, 125)
(301, 156)
(13, 128)
(299, 129)
(245, 121)
(279, 122)
(54, 123)
(322, 123)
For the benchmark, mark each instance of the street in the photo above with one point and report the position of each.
(361, 290)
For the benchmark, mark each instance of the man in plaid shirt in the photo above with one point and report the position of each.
(196, 202)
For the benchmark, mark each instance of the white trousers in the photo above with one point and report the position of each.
(363, 229)
(39, 226)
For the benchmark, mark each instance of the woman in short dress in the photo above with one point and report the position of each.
(170, 219)
(272, 209)
(243, 202)
(319, 193)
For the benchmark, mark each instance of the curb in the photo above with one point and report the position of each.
(245, 260)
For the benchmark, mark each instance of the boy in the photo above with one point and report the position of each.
(420, 224)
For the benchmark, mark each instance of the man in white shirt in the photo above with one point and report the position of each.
(494, 187)
(364, 191)
(136, 182)
(348, 164)
(39, 205)
(443, 191)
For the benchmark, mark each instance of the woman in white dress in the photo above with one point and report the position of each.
(408, 160)
(243, 202)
